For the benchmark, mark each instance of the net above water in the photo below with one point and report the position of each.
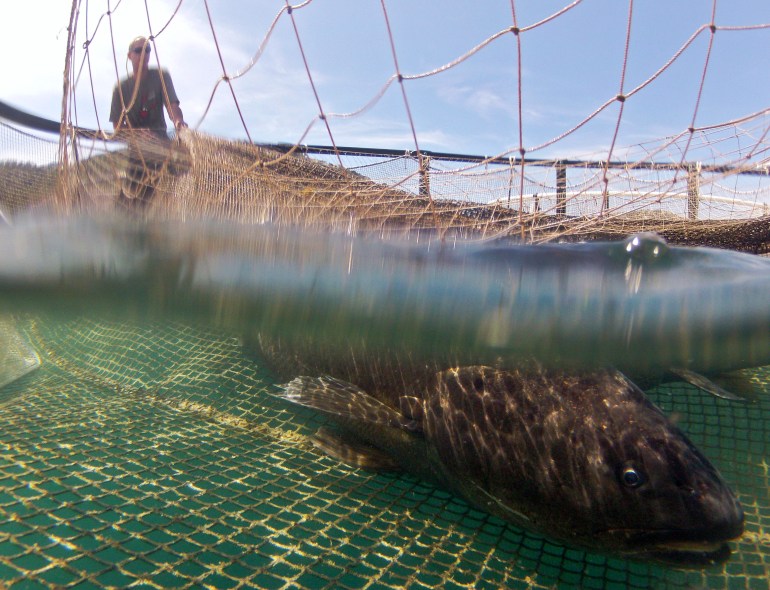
(200, 177)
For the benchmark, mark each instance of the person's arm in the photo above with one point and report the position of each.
(116, 108)
(176, 115)
(120, 124)
(172, 104)
(118, 116)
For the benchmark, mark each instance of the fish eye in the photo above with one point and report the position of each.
(632, 477)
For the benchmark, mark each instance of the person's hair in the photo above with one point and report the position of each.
(138, 41)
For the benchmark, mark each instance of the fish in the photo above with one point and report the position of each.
(639, 305)
(581, 457)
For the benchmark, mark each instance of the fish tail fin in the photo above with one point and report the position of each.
(352, 452)
(342, 399)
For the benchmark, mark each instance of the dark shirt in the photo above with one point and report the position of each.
(146, 111)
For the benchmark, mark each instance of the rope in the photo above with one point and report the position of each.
(321, 115)
(225, 77)
(400, 78)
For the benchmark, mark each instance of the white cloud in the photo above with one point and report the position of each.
(384, 132)
(481, 100)
(33, 57)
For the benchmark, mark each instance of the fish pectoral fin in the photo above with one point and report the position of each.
(353, 452)
(345, 400)
(705, 384)
(411, 408)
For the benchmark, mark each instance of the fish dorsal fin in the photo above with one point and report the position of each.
(340, 398)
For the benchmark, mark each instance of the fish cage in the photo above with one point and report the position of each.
(145, 443)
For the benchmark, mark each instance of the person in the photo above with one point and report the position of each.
(137, 114)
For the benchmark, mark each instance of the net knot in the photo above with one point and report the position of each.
(621, 98)
(515, 30)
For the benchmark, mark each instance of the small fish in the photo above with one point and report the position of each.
(581, 457)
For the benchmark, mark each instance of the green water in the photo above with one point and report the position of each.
(154, 456)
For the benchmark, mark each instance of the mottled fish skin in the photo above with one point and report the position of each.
(584, 458)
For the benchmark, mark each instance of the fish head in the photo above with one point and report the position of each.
(659, 497)
(584, 458)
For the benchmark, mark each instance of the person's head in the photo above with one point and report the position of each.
(139, 53)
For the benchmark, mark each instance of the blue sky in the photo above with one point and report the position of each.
(570, 66)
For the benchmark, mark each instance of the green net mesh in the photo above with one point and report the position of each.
(156, 456)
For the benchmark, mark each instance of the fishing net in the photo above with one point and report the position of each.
(154, 455)
(205, 177)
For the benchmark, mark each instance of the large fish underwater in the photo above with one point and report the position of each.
(576, 452)
(640, 305)
(581, 457)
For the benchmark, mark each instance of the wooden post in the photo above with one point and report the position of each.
(561, 189)
(65, 195)
(693, 190)
(425, 177)
(605, 188)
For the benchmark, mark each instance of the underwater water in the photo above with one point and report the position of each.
(146, 447)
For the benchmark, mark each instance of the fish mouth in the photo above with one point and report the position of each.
(679, 548)
(689, 553)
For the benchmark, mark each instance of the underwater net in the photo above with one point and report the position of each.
(151, 452)
(155, 455)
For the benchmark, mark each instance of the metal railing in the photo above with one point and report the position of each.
(695, 171)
